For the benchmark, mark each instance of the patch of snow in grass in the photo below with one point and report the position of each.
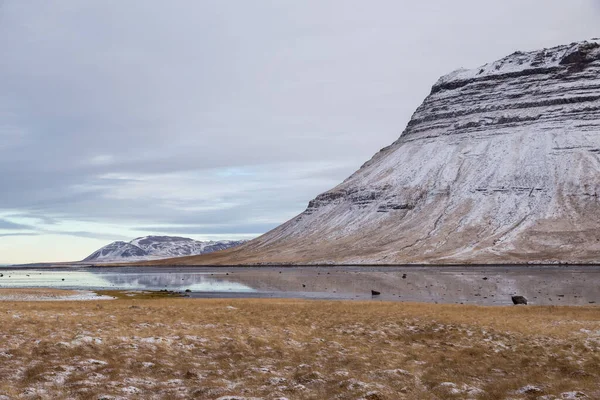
(573, 395)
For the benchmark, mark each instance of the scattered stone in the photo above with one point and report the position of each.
(517, 300)
(403, 276)
(485, 278)
(375, 293)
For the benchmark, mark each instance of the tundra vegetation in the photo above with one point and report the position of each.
(162, 347)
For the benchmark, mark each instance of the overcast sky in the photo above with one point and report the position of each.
(220, 119)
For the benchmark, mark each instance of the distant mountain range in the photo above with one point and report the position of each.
(157, 247)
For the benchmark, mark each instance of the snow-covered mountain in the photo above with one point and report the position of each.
(499, 164)
(157, 247)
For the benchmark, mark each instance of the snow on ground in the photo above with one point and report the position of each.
(49, 295)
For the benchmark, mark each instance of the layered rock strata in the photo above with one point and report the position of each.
(500, 164)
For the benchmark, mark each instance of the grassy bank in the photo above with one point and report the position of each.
(167, 348)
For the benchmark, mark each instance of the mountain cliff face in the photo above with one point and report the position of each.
(499, 164)
(157, 247)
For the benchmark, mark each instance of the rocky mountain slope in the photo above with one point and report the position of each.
(500, 164)
(157, 247)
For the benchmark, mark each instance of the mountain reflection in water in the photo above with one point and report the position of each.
(115, 279)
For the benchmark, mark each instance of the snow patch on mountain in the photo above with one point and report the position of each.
(499, 164)
(157, 247)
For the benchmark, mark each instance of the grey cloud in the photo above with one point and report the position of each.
(8, 225)
(17, 234)
(251, 229)
(41, 219)
(84, 234)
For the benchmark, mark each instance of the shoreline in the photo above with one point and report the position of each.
(483, 285)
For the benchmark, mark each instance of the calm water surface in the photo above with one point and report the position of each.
(482, 285)
(113, 278)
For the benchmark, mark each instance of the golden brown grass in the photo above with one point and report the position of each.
(169, 348)
(140, 295)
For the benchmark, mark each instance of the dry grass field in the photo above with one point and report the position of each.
(172, 348)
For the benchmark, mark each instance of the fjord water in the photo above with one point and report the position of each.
(482, 285)
(117, 279)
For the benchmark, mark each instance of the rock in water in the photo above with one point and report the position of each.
(519, 300)
(499, 164)
(375, 293)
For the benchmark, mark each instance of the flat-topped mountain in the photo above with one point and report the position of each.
(157, 247)
(499, 164)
